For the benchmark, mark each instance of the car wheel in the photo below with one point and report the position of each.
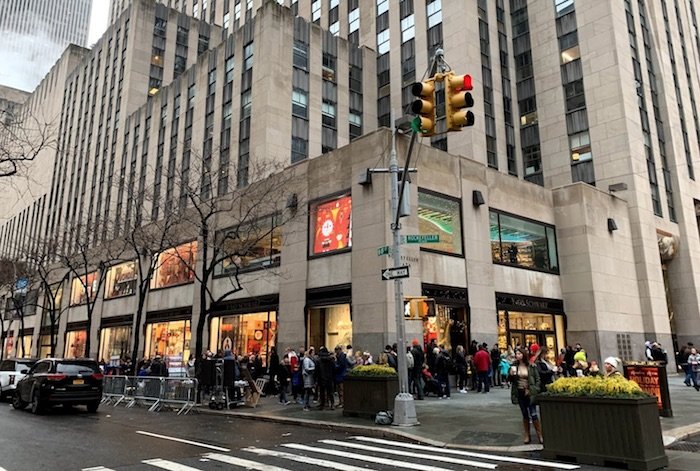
(17, 402)
(36, 404)
(92, 406)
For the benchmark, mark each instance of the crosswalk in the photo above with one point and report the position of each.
(357, 453)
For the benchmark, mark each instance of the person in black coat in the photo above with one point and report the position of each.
(417, 373)
(326, 364)
(283, 378)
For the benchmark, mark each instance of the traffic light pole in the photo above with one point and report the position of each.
(404, 405)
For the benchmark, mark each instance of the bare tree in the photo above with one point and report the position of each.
(23, 136)
(88, 262)
(254, 213)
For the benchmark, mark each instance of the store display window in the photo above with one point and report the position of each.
(175, 266)
(244, 334)
(331, 225)
(171, 340)
(82, 288)
(250, 246)
(440, 215)
(330, 326)
(44, 346)
(115, 342)
(526, 328)
(523, 243)
(121, 280)
(75, 344)
(447, 325)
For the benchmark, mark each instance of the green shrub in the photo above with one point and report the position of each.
(596, 386)
(372, 370)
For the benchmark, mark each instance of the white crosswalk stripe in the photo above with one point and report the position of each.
(169, 465)
(326, 464)
(247, 464)
(372, 459)
(509, 459)
(380, 453)
(388, 451)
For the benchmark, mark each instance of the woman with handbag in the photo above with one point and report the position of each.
(525, 386)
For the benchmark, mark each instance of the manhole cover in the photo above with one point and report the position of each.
(692, 447)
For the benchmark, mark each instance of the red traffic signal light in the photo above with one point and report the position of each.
(424, 107)
(457, 99)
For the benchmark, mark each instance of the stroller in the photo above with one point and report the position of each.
(431, 384)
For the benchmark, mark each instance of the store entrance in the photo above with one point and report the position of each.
(329, 326)
(525, 339)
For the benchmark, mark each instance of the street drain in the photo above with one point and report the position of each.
(691, 447)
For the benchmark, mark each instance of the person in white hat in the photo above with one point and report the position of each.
(612, 366)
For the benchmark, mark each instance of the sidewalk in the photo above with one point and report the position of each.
(475, 421)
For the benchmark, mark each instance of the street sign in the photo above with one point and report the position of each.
(393, 273)
(423, 239)
(383, 251)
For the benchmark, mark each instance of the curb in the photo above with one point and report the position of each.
(680, 433)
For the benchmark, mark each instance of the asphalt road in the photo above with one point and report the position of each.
(134, 439)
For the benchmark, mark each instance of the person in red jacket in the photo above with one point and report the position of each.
(482, 363)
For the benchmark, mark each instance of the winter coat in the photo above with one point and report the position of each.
(418, 357)
(282, 376)
(694, 362)
(460, 362)
(482, 361)
(308, 369)
(340, 368)
(326, 364)
(533, 384)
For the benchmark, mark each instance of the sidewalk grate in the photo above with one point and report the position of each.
(691, 447)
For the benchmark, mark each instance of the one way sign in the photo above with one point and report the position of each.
(393, 273)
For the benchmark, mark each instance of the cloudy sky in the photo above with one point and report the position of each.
(28, 58)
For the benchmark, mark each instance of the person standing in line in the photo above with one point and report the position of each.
(339, 371)
(525, 386)
(283, 379)
(443, 365)
(418, 361)
(495, 364)
(694, 363)
(482, 363)
(460, 361)
(611, 367)
(409, 368)
(308, 369)
(326, 364)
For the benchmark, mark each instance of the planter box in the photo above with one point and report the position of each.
(623, 433)
(364, 396)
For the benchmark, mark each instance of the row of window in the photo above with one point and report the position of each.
(258, 244)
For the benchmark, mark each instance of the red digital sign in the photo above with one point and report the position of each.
(333, 225)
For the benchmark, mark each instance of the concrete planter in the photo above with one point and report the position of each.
(364, 396)
(623, 433)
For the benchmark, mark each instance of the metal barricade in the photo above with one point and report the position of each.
(147, 390)
(154, 392)
(180, 394)
(114, 389)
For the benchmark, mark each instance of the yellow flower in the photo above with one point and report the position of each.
(596, 386)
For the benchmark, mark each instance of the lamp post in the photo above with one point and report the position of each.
(404, 405)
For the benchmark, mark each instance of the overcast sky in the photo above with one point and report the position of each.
(98, 20)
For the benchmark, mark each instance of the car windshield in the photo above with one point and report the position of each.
(7, 365)
(77, 368)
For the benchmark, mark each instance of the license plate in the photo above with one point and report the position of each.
(78, 381)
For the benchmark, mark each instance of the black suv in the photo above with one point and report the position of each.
(58, 381)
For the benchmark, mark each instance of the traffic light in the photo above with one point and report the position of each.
(457, 98)
(424, 107)
(419, 307)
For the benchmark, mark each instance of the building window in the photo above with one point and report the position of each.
(408, 28)
(175, 266)
(82, 288)
(75, 344)
(354, 20)
(316, 11)
(523, 243)
(434, 13)
(331, 225)
(441, 216)
(115, 343)
(250, 332)
(383, 44)
(121, 280)
(251, 246)
(171, 340)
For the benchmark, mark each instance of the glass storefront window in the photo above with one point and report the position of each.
(251, 246)
(440, 215)
(331, 225)
(526, 328)
(171, 340)
(174, 266)
(121, 280)
(115, 342)
(448, 327)
(330, 326)
(45, 346)
(82, 288)
(244, 334)
(523, 243)
(75, 344)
